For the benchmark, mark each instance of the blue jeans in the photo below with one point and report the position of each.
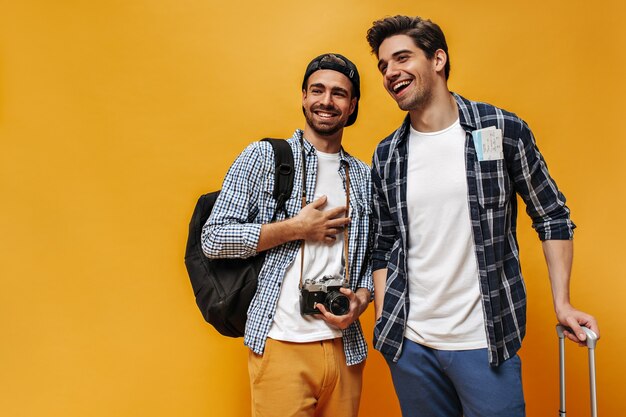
(440, 383)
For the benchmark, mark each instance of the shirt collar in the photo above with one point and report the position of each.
(464, 112)
(344, 156)
(465, 120)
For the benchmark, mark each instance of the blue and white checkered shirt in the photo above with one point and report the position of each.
(492, 189)
(246, 202)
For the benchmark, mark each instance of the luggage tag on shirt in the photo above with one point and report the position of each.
(488, 143)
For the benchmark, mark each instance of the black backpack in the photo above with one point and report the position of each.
(224, 287)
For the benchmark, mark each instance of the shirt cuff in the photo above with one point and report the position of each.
(250, 235)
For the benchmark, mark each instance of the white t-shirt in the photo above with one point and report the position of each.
(319, 259)
(445, 303)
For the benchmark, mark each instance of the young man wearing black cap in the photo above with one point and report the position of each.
(303, 364)
(450, 297)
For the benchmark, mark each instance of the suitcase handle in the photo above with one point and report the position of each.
(592, 337)
(592, 340)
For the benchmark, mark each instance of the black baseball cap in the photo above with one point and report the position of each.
(334, 62)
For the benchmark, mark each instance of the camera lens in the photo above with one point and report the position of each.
(337, 303)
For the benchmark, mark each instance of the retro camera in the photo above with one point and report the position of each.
(325, 291)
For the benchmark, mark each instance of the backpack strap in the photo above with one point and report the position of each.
(283, 172)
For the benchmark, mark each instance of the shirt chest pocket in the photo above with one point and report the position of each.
(493, 183)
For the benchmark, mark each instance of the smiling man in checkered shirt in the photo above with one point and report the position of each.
(449, 293)
(304, 365)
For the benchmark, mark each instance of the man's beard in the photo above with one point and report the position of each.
(323, 129)
(419, 98)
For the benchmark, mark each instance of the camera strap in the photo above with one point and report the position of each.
(345, 229)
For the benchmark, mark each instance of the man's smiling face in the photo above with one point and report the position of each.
(408, 75)
(328, 101)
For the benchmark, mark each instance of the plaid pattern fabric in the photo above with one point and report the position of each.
(246, 202)
(492, 189)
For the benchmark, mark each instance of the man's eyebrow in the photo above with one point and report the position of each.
(394, 55)
(323, 87)
(340, 89)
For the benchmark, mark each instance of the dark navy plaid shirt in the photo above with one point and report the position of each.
(492, 189)
(246, 202)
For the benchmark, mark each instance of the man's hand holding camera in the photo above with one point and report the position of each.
(313, 223)
(358, 303)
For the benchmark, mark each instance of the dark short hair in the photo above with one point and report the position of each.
(427, 35)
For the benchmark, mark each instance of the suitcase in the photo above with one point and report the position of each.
(592, 340)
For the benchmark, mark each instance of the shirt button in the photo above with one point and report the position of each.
(269, 316)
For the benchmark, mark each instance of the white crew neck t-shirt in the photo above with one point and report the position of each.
(319, 259)
(445, 303)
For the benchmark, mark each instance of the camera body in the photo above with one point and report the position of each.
(325, 291)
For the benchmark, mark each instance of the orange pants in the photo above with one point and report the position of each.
(304, 380)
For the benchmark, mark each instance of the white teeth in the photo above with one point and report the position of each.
(401, 84)
(325, 114)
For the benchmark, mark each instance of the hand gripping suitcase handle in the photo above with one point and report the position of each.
(592, 340)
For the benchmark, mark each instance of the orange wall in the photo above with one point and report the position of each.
(115, 115)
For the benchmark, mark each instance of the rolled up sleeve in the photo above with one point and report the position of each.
(230, 231)
(545, 204)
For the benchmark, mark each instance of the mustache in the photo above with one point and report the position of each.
(326, 108)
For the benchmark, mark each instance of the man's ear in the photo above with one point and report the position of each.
(352, 105)
(439, 60)
(303, 95)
